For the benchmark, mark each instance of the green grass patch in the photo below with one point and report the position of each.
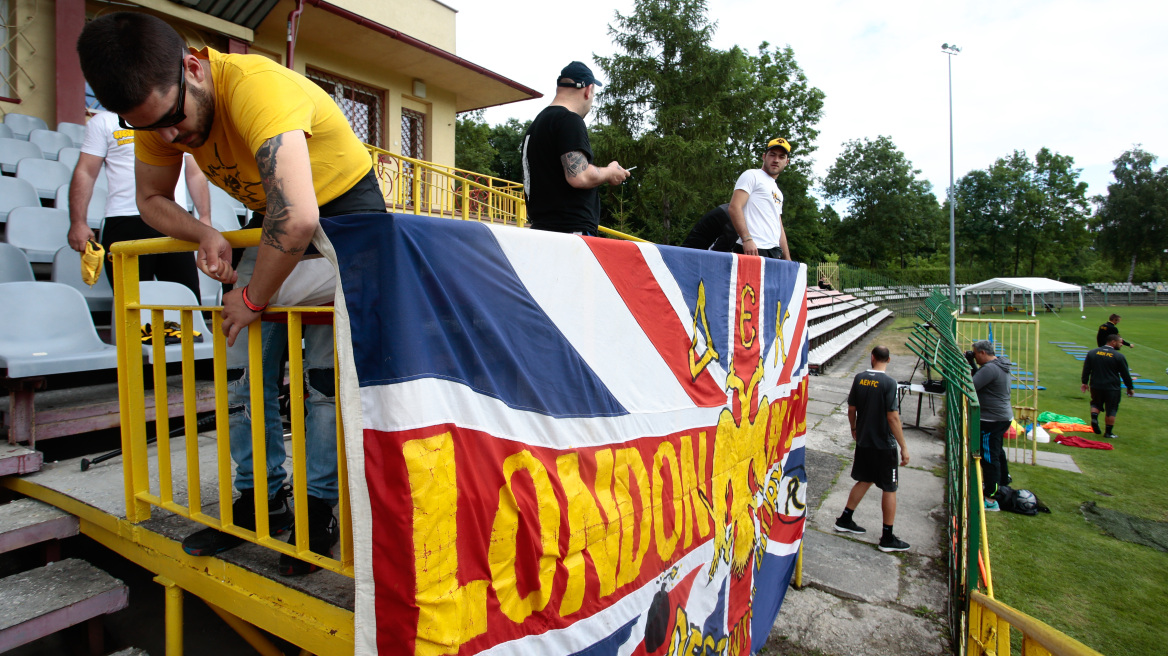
(1059, 568)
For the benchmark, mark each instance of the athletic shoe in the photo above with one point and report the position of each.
(892, 543)
(1110, 436)
(209, 541)
(849, 526)
(323, 533)
(1095, 427)
(991, 505)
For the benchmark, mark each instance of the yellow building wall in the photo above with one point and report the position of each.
(426, 20)
(36, 60)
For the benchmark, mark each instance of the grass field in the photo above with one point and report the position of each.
(1110, 595)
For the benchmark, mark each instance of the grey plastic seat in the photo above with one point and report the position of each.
(159, 292)
(75, 132)
(14, 266)
(69, 156)
(38, 231)
(13, 150)
(50, 141)
(67, 271)
(210, 290)
(96, 212)
(23, 124)
(239, 208)
(52, 333)
(45, 175)
(223, 215)
(14, 193)
(6, 132)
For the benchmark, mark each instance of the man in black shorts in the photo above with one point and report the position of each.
(875, 420)
(1103, 368)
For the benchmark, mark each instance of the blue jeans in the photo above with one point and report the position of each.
(320, 421)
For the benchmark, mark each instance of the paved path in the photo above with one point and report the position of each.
(856, 599)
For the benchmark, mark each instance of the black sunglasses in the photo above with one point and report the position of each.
(175, 116)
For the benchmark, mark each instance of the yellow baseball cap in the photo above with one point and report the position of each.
(779, 142)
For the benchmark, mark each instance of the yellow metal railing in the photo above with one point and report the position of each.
(139, 465)
(414, 186)
(990, 622)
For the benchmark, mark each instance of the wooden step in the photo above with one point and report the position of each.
(16, 459)
(27, 521)
(42, 601)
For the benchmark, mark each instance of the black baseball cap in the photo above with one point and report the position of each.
(579, 74)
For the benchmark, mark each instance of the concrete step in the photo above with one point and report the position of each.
(16, 459)
(42, 601)
(131, 651)
(27, 521)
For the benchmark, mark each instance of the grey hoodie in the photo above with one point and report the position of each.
(992, 382)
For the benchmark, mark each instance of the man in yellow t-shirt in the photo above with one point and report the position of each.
(277, 142)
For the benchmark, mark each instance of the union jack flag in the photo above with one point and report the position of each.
(566, 445)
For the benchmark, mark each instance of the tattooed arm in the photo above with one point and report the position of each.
(582, 175)
(155, 190)
(289, 223)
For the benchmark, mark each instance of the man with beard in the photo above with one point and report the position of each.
(247, 121)
(756, 208)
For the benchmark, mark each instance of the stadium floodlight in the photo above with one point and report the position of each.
(951, 50)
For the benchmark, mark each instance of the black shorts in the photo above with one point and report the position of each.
(879, 466)
(1106, 400)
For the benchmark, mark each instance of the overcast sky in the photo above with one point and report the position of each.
(1085, 78)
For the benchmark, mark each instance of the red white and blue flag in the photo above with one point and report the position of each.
(567, 445)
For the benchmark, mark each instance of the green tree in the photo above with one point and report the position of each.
(893, 215)
(692, 118)
(1023, 217)
(473, 150)
(1133, 217)
(507, 140)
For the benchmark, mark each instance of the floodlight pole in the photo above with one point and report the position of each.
(951, 50)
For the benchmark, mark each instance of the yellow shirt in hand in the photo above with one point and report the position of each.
(255, 100)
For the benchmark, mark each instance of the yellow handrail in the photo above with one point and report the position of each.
(990, 622)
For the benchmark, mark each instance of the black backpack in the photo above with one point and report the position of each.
(1023, 502)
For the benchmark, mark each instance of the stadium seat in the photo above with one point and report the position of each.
(14, 193)
(52, 333)
(6, 132)
(14, 266)
(23, 124)
(47, 176)
(210, 290)
(96, 213)
(75, 132)
(223, 215)
(38, 231)
(50, 141)
(14, 150)
(240, 209)
(69, 156)
(158, 292)
(67, 271)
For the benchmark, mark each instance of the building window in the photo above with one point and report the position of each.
(413, 134)
(360, 104)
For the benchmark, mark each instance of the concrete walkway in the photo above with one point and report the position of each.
(856, 599)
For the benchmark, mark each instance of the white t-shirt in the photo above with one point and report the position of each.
(106, 139)
(764, 208)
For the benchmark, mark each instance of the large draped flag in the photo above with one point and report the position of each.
(566, 445)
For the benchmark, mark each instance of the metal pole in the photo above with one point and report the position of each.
(952, 234)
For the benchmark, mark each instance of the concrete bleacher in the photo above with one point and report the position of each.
(836, 321)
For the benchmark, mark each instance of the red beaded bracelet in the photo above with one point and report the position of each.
(252, 306)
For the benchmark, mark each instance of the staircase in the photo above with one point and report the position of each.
(62, 593)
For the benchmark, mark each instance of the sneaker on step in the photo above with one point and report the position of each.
(209, 541)
(991, 505)
(849, 526)
(323, 534)
(892, 543)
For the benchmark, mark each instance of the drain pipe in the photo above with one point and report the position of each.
(293, 28)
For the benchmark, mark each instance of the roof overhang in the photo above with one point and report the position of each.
(474, 87)
(247, 13)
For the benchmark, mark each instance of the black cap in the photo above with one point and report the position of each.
(579, 74)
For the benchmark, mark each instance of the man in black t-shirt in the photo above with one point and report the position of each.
(559, 179)
(1108, 329)
(875, 420)
(713, 231)
(1103, 369)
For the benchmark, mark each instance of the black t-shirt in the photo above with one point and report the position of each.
(1105, 368)
(1105, 331)
(874, 396)
(552, 203)
(713, 231)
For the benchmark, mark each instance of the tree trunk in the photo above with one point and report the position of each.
(1132, 271)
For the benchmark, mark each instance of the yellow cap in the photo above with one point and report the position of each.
(779, 142)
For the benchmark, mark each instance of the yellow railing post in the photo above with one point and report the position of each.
(174, 616)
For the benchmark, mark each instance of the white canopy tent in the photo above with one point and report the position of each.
(1030, 286)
